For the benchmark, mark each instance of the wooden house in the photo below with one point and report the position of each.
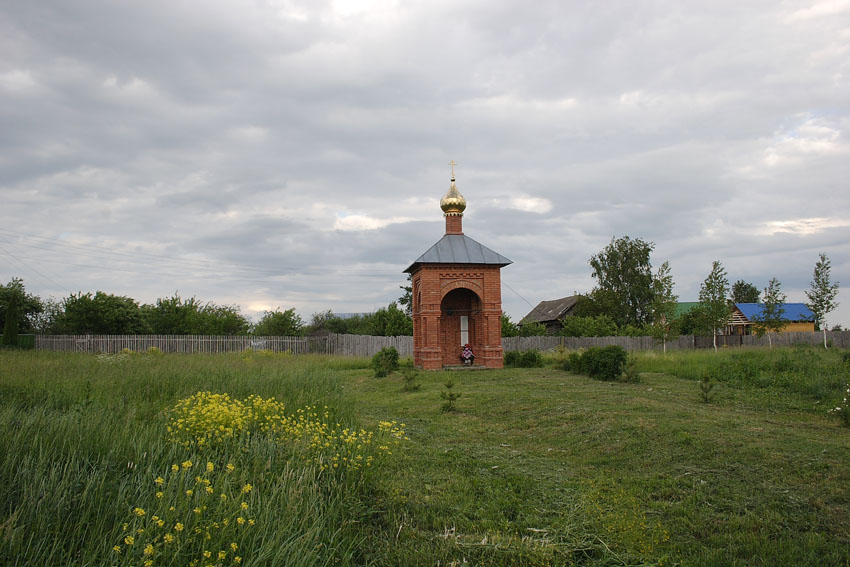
(798, 316)
(551, 313)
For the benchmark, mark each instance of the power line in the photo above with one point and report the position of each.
(203, 264)
(25, 266)
(517, 293)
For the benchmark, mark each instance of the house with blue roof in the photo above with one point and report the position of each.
(798, 316)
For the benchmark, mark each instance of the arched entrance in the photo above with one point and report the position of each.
(460, 323)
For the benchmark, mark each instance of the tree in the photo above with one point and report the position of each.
(623, 269)
(327, 322)
(102, 314)
(580, 326)
(712, 295)
(532, 329)
(178, 316)
(664, 303)
(279, 323)
(692, 321)
(406, 299)
(509, 328)
(744, 292)
(597, 302)
(174, 316)
(770, 318)
(50, 320)
(389, 321)
(222, 320)
(28, 306)
(822, 294)
(10, 326)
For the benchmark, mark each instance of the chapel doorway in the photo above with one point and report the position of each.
(460, 323)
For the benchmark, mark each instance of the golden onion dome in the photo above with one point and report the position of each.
(453, 202)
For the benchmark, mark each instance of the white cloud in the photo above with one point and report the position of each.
(803, 226)
(17, 81)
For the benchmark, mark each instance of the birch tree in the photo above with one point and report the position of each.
(770, 319)
(822, 293)
(712, 295)
(663, 305)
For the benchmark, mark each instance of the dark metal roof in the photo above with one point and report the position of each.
(459, 249)
(793, 311)
(550, 310)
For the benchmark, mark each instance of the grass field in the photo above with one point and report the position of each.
(536, 466)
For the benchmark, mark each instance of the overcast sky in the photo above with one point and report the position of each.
(293, 154)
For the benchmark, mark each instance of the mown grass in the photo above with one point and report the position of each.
(537, 466)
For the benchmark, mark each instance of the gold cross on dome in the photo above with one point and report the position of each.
(453, 163)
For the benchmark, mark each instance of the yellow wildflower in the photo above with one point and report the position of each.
(210, 467)
(237, 559)
(230, 467)
(222, 554)
(174, 468)
(178, 527)
(148, 549)
(148, 563)
(160, 481)
(240, 520)
(207, 554)
(129, 540)
(189, 492)
(187, 465)
(251, 522)
(209, 490)
(116, 548)
(168, 538)
(223, 496)
(139, 512)
(244, 505)
(158, 494)
(233, 546)
(247, 488)
(160, 523)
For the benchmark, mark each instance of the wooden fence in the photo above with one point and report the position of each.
(838, 338)
(180, 343)
(363, 345)
(351, 345)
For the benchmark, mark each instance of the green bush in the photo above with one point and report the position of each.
(523, 359)
(385, 361)
(602, 363)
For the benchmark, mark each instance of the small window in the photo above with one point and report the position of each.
(464, 330)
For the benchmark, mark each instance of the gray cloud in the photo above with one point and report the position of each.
(293, 153)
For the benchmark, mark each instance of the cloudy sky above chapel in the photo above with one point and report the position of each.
(292, 154)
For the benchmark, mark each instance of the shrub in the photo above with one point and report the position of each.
(524, 359)
(450, 396)
(410, 375)
(631, 374)
(385, 361)
(602, 363)
(706, 389)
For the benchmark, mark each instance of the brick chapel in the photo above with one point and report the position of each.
(457, 295)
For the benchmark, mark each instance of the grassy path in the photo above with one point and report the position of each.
(551, 468)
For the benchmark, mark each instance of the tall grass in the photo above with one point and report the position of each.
(814, 372)
(84, 439)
